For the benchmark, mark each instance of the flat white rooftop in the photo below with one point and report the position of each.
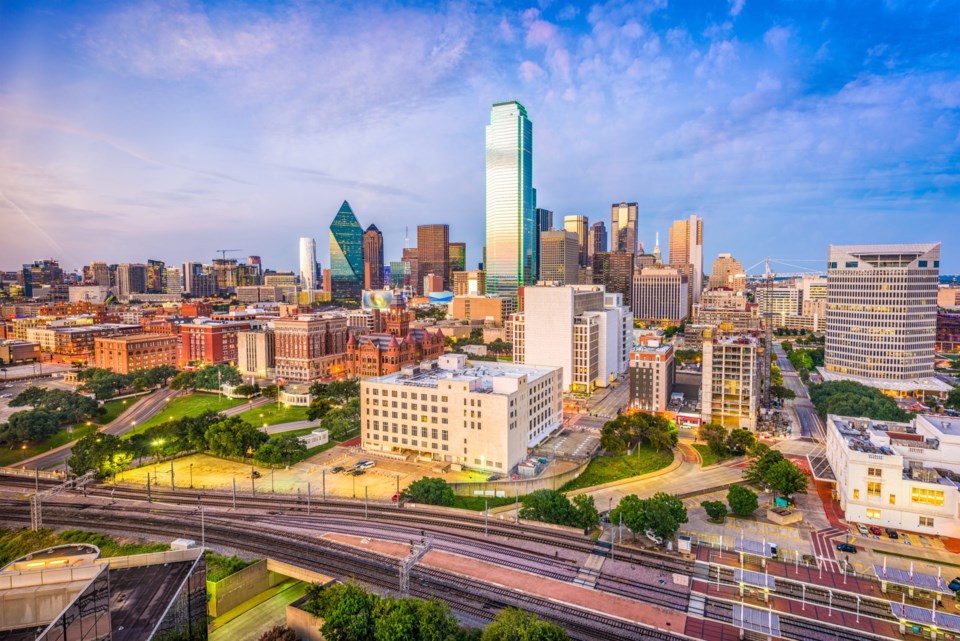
(924, 384)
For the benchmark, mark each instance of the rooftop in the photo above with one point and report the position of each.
(482, 374)
(925, 384)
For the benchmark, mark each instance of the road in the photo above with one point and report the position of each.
(810, 424)
(261, 617)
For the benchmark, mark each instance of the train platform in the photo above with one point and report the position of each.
(711, 630)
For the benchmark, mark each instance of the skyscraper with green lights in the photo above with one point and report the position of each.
(511, 257)
(346, 256)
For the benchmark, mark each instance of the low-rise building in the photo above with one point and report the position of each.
(948, 331)
(76, 344)
(13, 352)
(256, 353)
(731, 383)
(379, 354)
(488, 309)
(471, 283)
(482, 416)
(125, 354)
(651, 376)
(898, 475)
(209, 342)
(311, 346)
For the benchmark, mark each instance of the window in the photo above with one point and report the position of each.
(926, 521)
(856, 494)
(873, 514)
(926, 497)
(873, 490)
(874, 471)
(893, 499)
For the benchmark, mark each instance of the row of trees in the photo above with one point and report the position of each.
(551, 506)
(723, 443)
(210, 377)
(662, 514)
(105, 383)
(350, 613)
(803, 359)
(847, 398)
(52, 410)
(771, 469)
(629, 430)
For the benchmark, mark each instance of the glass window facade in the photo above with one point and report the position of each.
(346, 255)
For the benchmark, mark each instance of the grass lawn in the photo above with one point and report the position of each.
(476, 503)
(16, 543)
(191, 405)
(272, 415)
(707, 456)
(113, 410)
(220, 567)
(605, 469)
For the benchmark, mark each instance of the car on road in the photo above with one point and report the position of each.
(846, 547)
(336, 470)
(875, 530)
(358, 472)
(954, 585)
(255, 474)
(892, 533)
(6, 395)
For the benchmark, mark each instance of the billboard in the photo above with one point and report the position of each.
(377, 299)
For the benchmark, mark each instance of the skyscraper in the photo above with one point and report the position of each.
(578, 225)
(372, 258)
(155, 276)
(727, 272)
(346, 256)
(458, 259)
(510, 221)
(433, 252)
(308, 264)
(614, 270)
(882, 316)
(597, 239)
(132, 279)
(686, 249)
(623, 228)
(544, 218)
(559, 257)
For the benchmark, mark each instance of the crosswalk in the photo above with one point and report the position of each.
(824, 544)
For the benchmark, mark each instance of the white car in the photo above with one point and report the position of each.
(653, 537)
(366, 465)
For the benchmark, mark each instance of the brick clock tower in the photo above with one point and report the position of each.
(398, 321)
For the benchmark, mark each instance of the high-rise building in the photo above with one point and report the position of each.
(400, 275)
(686, 249)
(623, 228)
(433, 252)
(100, 274)
(656, 251)
(308, 264)
(411, 256)
(882, 316)
(559, 258)
(225, 270)
(578, 225)
(731, 382)
(174, 281)
(45, 272)
(255, 353)
(132, 278)
(156, 275)
(614, 270)
(597, 239)
(372, 258)
(544, 220)
(660, 295)
(310, 347)
(458, 260)
(727, 272)
(510, 222)
(346, 256)
(651, 377)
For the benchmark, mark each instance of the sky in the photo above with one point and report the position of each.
(134, 130)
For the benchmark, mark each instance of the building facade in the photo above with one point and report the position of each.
(482, 417)
(615, 272)
(308, 264)
(731, 383)
(126, 354)
(310, 347)
(623, 228)
(544, 221)
(579, 225)
(489, 309)
(209, 342)
(472, 283)
(458, 261)
(379, 354)
(686, 252)
(597, 239)
(256, 353)
(346, 256)
(559, 258)
(651, 377)
(727, 273)
(660, 295)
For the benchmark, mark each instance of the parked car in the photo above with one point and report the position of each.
(954, 585)
(892, 533)
(395, 497)
(875, 530)
(359, 472)
(336, 470)
(653, 537)
(366, 465)
(863, 529)
(846, 547)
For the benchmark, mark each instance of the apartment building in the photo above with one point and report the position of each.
(651, 376)
(731, 382)
(210, 342)
(660, 295)
(126, 354)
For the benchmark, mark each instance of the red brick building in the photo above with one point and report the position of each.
(209, 342)
(310, 347)
(378, 354)
(125, 354)
(196, 309)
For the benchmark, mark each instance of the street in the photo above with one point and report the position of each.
(810, 424)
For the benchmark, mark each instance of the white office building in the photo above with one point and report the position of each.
(480, 416)
(731, 382)
(580, 328)
(898, 475)
(308, 264)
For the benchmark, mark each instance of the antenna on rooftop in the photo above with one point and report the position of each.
(406, 237)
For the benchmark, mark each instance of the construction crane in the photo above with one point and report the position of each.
(789, 263)
(223, 252)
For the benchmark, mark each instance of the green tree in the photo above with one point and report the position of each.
(742, 500)
(664, 514)
(764, 459)
(31, 426)
(783, 393)
(32, 396)
(245, 390)
(586, 511)
(104, 454)
(343, 421)
(740, 441)
(714, 435)
(516, 625)
(319, 407)
(786, 479)
(234, 437)
(337, 392)
(548, 506)
(429, 490)
(279, 633)
(612, 441)
(284, 449)
(847, 398)
(348, 613)
(183, 380)
(716, 510)
(270, 391)
(953, 399)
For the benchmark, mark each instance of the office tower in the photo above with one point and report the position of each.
(100, 274)
(458, 260)
(614, 271)
(660, 295)
(132, 278)
(308, 264)
(25, 280)
(254, 261)
(559, 258)
(433, 252)
(544, 220)
(731, 382)
(882, 316)
(174, 281)
(410, 256)
(578, 225)
(780, 301)
(472, 283)
(400, 277)
(623, 228)
(372, 258)
(227, 274)
(156, 273)
(510, 223)
(190, 273)
(596, 239)
(580, 328)
(45, 272)
(346, 256)
(247, 275)
(727, 272)
(686, 249)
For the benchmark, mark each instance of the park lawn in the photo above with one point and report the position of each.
(272, 415)
(191, 405)
(605, 469)
(707, 455)
(9, 457)
(113, 410)
(476, 503)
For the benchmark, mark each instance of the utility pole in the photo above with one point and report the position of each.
(172, 487)
(308, 497)
(234, 493)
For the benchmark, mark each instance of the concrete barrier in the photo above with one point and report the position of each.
(306, 625)
(233, 590)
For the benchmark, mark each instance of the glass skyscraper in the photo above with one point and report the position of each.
(511, 225)
(346, 256)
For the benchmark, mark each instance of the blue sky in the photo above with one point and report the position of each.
(135, 130)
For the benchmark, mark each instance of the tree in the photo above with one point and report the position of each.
(429, 490)
(343, 421)
(586, 511)
(661, 436)
(233, 437)
(284, 449)
(348, 613)
(783, 393)
(756, 471)
(740, 441)
(612, 442)
(716, 510)
(31, 396)
(516, 625)
(103, 454)
(31, 426)
(183, 380)
(270, 391)
(279, 633)
(319, 407)
(337, 392)
(847, 398)
(953, 399)
(785, 478)
(742, 500)
(629, 512)
(245, 390)
(714, 435)
(776, 376)
(548, 506)
(665, 514)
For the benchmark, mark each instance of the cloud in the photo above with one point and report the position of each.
(776, 38)
(529, 71)
(736, 6)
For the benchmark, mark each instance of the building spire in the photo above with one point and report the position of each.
(656, 249)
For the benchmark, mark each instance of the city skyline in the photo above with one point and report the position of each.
(772, 127)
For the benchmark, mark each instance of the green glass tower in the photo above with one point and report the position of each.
(346, 256)
(511, 257)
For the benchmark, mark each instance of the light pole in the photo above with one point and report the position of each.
(191, 476)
